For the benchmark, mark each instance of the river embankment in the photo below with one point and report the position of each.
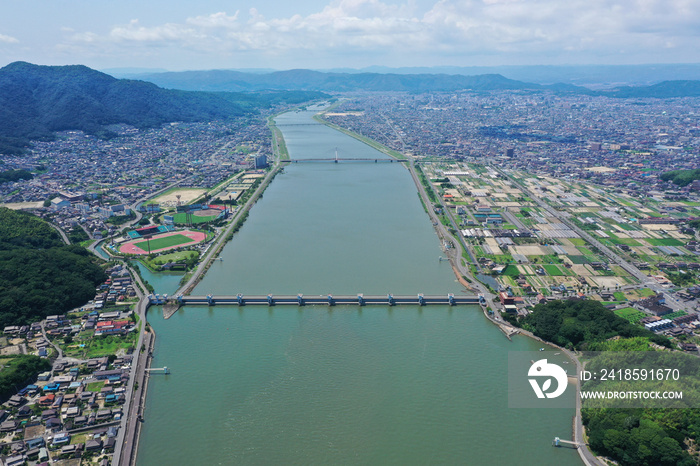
(317, 384)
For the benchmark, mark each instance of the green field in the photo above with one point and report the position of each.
(627, 241)
(181, 219)
(664, 242)
(578, 259)
(166, 242)
(631, 314)
(553, 270)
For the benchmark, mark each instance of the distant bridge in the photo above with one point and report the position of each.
(299, 124)
(346, 159)
(330, 300)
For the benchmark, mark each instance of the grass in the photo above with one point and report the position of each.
(95, 386)
(578, 241)
(553, 270)
(673, 315)
(165, 242)
(511, 271)
(578, 260)
(647, 292)
(620, 296)
(631, 314)
(106, 345)
(177, 256)
(181, 219)
(627, 241)
(664, 241)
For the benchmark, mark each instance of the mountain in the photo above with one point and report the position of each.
(662, 90)
(591, 76)
(228, 80)
(36, 101)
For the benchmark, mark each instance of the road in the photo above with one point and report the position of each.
(61, 232)
(454, 254)
(127, 437)
(631, 269)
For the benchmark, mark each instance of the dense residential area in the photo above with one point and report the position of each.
(549, 206)
(73, 408)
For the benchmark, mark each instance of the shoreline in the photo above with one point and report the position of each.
(587, 457)
(131, 443)
(132, 435)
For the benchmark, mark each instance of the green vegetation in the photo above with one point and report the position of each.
(39, 275)
(642, 436)
(681, 177)
(117, 220)
(18, 371)
(553, 270)
(164, 242)
(673, 315)
(15, 175)
(630, 314)
(426, 184)
(78, 235)
(664, 241)
(39, 100)
(106, 345)
(183, 219)
(189, 258)
(577, 324)
(95, 386)
(620, 296)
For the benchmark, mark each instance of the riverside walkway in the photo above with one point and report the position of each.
(302, 300)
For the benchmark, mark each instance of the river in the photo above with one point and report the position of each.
(342, 385)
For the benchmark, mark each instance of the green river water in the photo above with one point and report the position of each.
(341, 385)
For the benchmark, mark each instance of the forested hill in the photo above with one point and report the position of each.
(36, 101)
(229, 80)
(39, 275)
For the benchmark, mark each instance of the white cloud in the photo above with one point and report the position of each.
(8, 39)
(538, 28)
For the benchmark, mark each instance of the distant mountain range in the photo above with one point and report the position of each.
(36, 101)
(591, 76)
(229, 80)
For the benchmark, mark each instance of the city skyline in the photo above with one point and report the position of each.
(349, 33)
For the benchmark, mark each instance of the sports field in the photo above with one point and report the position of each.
(163, 242)
(200, 216)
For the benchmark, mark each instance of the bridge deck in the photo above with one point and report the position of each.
(332, 300)
(346, 159)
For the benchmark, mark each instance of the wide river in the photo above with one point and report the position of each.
(342, 385)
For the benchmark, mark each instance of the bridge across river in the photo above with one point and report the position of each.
(346, 159)
(302, 300)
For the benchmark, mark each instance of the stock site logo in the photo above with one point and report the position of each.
(542, 369)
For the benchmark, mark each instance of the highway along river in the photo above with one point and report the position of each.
(341, 385)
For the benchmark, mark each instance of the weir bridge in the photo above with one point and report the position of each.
(301, 300)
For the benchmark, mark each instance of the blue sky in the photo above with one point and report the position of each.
(322, 34)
